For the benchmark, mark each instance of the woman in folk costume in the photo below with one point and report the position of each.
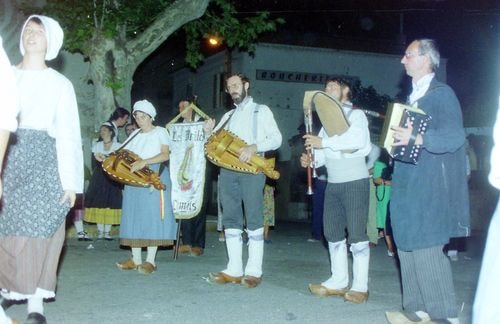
(43, 172)
(103, 199)
(147, 219)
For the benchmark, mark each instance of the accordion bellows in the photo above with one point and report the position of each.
(118, 166)
(222, 149)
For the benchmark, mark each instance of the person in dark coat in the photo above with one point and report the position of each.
(429, 200)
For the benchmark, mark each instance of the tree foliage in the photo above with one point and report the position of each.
(116, 36)
(223, 21)
(86, 21)
(369, 98)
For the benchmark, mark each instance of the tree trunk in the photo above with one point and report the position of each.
(117, 60)
(9, 28)
(100, 73)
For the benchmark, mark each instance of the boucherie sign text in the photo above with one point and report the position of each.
(288, 76)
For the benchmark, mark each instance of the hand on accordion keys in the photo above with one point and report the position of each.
(403, 135)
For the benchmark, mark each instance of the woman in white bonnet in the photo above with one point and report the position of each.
(146, 221)
(43, 172)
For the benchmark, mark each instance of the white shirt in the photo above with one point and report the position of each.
(242, 125)
(494, 176)
(48, 102)
(372, 156)
(98, 147)
(344, 167)
(8, 95)
(420, 88)
(147, 145)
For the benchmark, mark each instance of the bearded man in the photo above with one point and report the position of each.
(254, 123)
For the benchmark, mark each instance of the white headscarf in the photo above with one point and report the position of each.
(53, 32)
(146, 107)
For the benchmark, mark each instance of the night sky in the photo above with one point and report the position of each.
(466, 31)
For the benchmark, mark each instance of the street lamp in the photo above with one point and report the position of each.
(216, 41)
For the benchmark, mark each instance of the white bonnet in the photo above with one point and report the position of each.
(53, 32)
(146, 107)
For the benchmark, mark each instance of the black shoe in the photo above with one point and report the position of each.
(108, 237)
(35, 318)
(83, 236)
(6, 303)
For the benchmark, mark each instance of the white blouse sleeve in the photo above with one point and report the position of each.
(68, 139)
(272, 136)
(164, 136)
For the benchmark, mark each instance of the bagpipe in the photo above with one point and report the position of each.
(332, 118)
(329, 110)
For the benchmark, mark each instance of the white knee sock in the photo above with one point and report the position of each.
(3, 317)
(107, 228)
(35, 305)
(137, 255)
(360, 265)
(255, 252)
(151, 256)
(234, 245)
(338, 266)
(78, 225)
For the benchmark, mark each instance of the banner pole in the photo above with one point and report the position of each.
(177, 237)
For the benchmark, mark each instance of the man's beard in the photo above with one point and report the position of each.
(237, 98)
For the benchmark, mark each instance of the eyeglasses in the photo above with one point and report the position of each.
(409, 55)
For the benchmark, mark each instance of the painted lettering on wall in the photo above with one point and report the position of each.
(290, 76)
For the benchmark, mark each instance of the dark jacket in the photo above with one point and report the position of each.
(430, 200)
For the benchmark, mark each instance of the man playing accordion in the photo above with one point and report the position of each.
(429, 200)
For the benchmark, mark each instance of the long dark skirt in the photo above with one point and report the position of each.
(103, 199)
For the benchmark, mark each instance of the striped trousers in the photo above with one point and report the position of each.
(346, 207)
(428, 283)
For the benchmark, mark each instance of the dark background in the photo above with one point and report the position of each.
(466, 31)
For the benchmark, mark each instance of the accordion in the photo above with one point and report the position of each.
(397, 115)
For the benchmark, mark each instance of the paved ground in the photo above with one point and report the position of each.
(92, 289)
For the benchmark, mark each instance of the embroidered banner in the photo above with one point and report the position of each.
(187, 168)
